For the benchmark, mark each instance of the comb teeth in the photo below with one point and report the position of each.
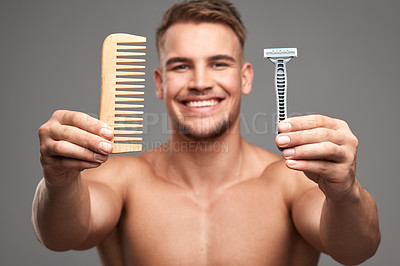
(122, 79)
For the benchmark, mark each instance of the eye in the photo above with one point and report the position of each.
(219, 65)
(180, 67)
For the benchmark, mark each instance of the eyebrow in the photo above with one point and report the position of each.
(174, 60)
(222, 57)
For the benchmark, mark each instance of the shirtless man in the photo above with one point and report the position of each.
(188, 203)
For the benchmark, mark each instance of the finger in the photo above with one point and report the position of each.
(69, 163)
(69, 150)
(308, 122)
(316, 151)
(81, 138)
(84, 122)
(297, 138)
(313, 168)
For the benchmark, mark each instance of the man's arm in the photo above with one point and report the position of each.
(70, 211)
(340, 217)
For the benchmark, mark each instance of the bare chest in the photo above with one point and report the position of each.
(247, 226)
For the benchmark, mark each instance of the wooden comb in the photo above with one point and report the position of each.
(121, 89)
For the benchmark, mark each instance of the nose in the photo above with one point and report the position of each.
(201, 79)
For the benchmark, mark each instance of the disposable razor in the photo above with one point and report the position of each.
(280, 56)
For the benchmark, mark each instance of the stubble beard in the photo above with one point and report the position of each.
(209, 131)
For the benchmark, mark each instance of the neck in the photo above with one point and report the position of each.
(208, 165)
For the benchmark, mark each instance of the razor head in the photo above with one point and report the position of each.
(280, 52)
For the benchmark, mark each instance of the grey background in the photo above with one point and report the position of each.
(347, 68)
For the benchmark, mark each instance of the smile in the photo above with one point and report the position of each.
(203, 103)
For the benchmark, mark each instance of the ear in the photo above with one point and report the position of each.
(247, 78)
(159, 83)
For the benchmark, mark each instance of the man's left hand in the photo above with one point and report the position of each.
(323, 148)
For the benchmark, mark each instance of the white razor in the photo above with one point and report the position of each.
(280, 56)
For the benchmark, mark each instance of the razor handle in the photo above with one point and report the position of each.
(280, 89)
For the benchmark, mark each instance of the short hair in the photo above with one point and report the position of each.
(214, 11)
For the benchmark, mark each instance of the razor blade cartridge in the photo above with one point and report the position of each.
(280, 52)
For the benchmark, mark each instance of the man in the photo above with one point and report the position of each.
(175, 205)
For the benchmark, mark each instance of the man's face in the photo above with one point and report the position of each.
(201, 78)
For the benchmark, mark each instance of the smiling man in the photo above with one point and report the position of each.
(179, 206)
(201, 78)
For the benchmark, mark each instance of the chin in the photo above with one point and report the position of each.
(202, 134)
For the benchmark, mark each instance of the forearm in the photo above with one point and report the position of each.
(61, 215)
(349, 228)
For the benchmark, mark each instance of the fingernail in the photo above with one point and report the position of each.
(284, 126)
(100, 158)
(282, 140)
(291, 163)
(105, 146)
(106, 132)
(288, 152)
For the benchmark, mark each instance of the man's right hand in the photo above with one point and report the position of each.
(71, 142)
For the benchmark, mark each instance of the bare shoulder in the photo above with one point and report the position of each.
(118, 172)
(275, 173)
(122, 173)
(258, 158)
(119, 165)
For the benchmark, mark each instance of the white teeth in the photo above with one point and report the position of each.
(208, 103)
